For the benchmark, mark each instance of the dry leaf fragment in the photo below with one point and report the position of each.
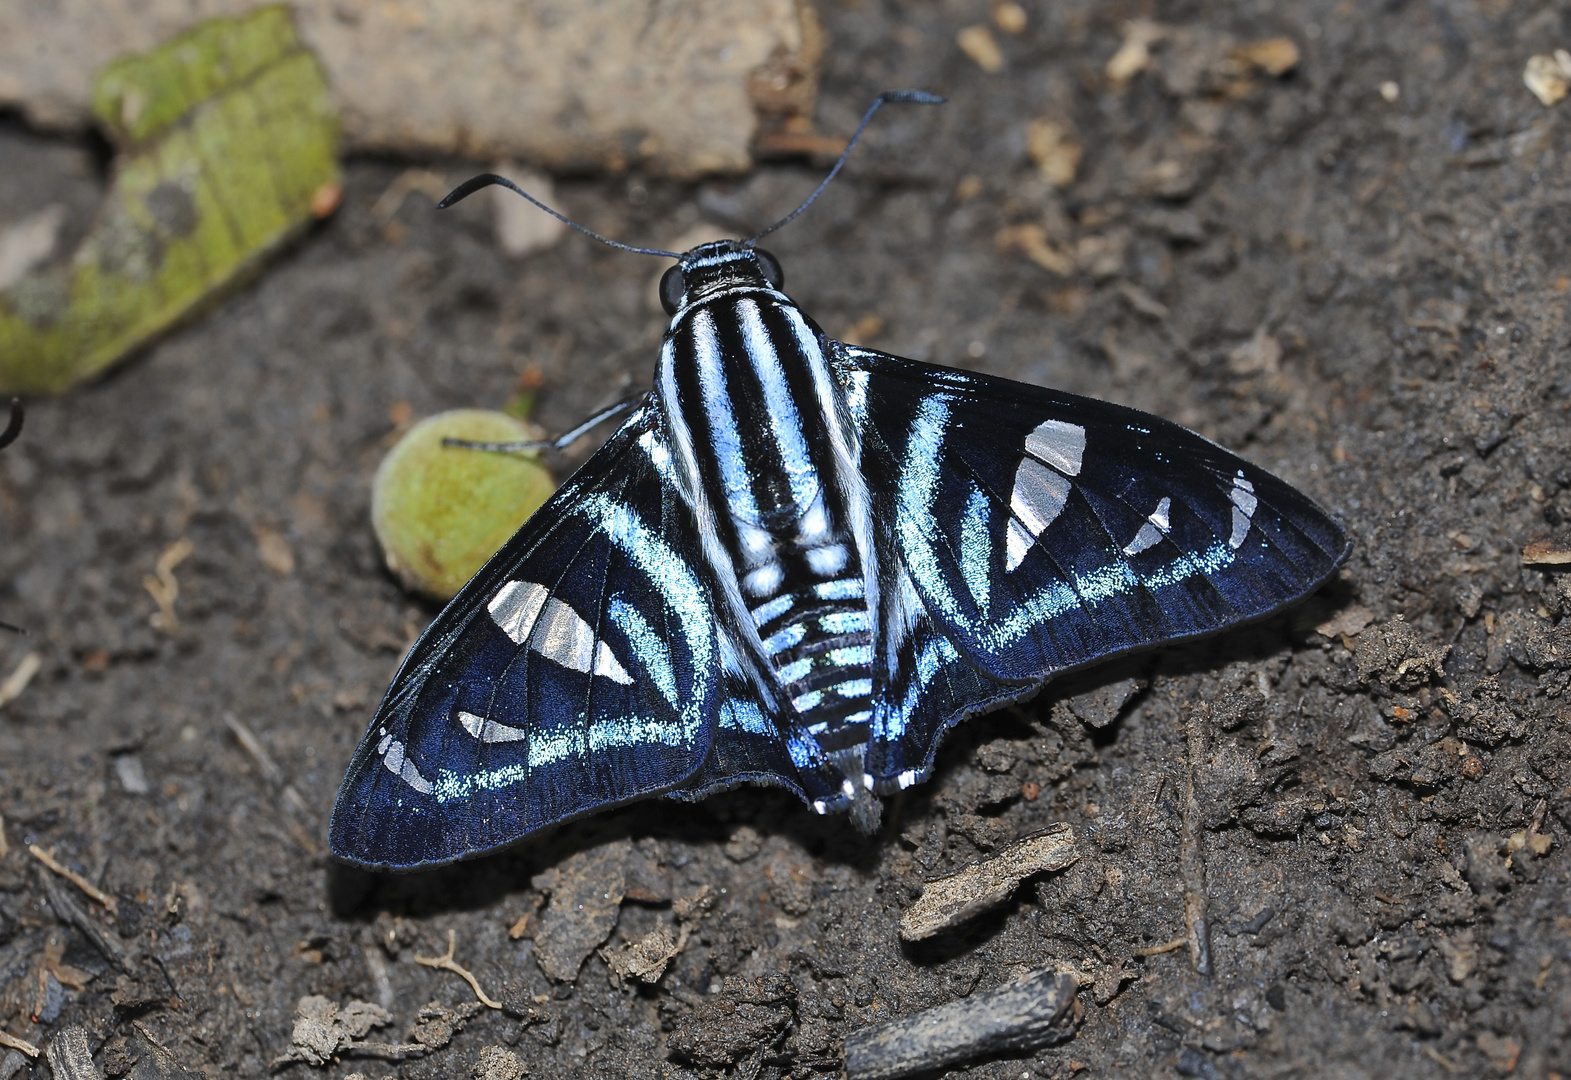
(1009, 17)
(162, 586)
(1274, 56)
(1055, 151)
(1031, 241)
(1548, 77)
(272, 547)
(978, 43)
(1134, 54)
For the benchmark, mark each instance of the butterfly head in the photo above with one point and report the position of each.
(711, 269)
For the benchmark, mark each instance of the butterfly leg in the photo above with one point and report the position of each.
(561, 442)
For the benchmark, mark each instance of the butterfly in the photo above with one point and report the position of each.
(800, 562)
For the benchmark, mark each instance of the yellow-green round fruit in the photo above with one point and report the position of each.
(441, 511)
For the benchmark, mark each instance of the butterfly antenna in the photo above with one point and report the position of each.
(889, 97)
(14, 428)
(475, 183)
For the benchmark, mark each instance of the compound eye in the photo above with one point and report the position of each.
(771, 267)
(672, 286)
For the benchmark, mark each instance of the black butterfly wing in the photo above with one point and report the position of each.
(1044, 531)
(578, 670)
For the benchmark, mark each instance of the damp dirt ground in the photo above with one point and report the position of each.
(1355, 274)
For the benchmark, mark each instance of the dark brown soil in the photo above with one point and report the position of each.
(1357, 792)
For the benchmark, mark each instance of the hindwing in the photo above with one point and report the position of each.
(581, 668)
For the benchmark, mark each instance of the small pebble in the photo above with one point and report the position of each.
(498, 1063)
(133, 779)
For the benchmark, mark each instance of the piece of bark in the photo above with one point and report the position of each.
(1015, 1017)
(953, 899)
(676, 86)
(70, 1056)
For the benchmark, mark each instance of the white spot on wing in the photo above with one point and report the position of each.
(563, 636)
(395, 762)
(1039, 497)
(516, 606)
(1242, 496)
(1156, 526)
(1017, 541)
(606, 664)
(489, 731)
(1059, 444)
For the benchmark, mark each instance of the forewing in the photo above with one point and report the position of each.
(578, 670)
(1044, 531)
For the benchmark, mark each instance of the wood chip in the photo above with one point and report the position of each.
(70, 1055)
(1013, 1018)
(20, 676)
(22, 1045)
(958, 897)
(1547, 551)
(1274, 56)
(978, 43)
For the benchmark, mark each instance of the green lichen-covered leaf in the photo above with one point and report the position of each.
(231, 149)
(441, 511)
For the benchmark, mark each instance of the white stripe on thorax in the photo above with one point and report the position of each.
(725, 439)
(786, 425)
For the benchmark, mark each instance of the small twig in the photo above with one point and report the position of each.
(447, 963)
(103, 898)
(14, 1043)
(162, 586)
(294, 805)
(20, 676)
(68, 911)
(1192, 856)
(1018, 1016)
(1166, 947)
(5, 845)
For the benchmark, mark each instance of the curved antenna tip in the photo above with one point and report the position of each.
(469, 187)
(14, 427)
(911, 97)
